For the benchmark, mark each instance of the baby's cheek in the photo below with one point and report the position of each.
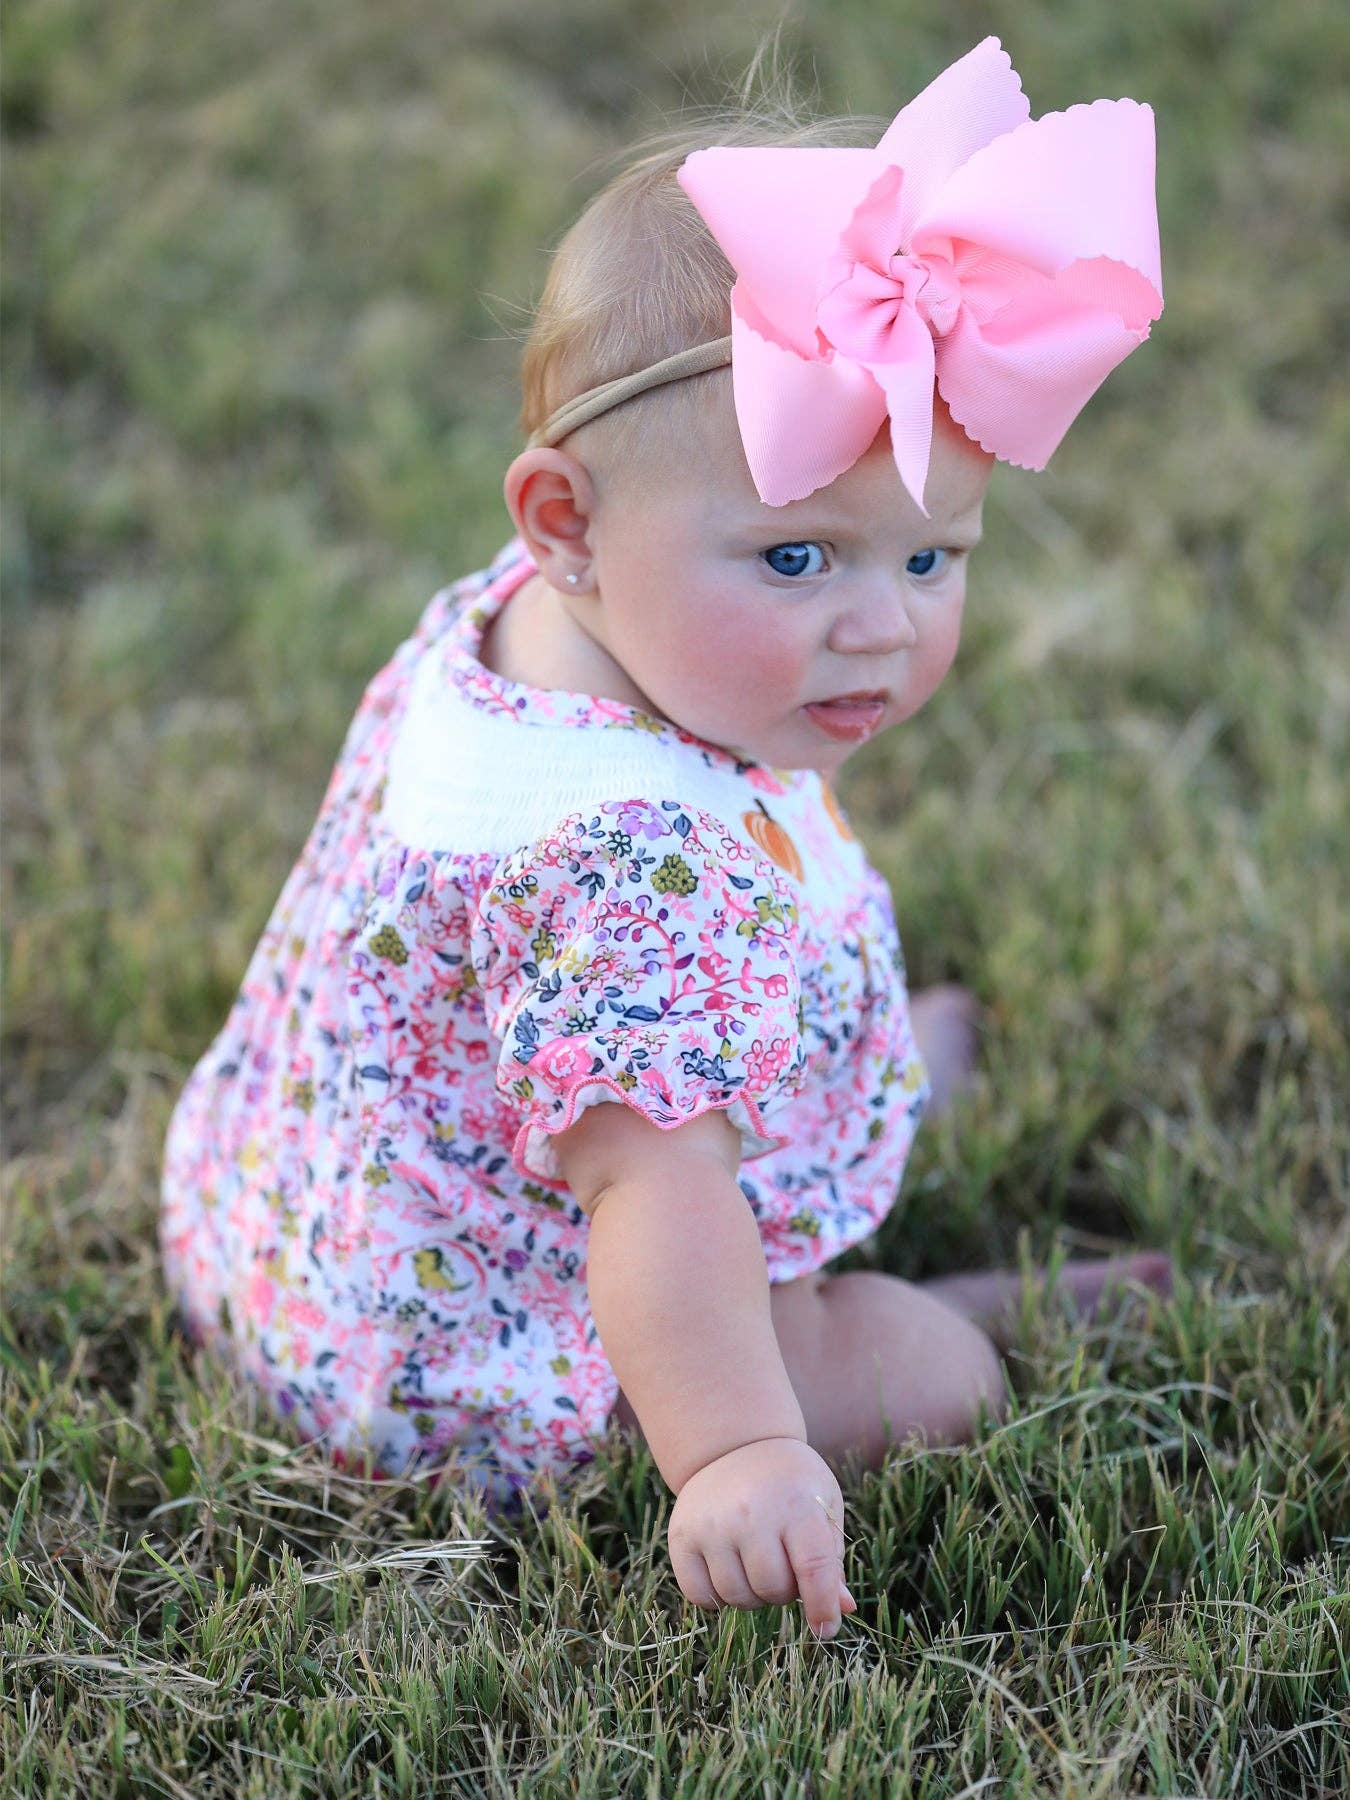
(945, 649)
(738, 661)
(940, 644)
(762, 652)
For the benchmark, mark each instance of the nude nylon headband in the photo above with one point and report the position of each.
(585, 407)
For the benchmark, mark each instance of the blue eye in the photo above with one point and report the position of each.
(920, 557)
(794, 559)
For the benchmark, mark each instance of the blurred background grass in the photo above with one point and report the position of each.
(265, 271)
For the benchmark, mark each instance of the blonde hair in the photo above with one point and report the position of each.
(639, 276)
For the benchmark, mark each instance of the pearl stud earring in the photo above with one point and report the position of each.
(573, 579)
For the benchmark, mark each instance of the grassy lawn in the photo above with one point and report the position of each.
(265, 273)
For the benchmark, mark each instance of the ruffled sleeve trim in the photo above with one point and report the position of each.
(534, 1156)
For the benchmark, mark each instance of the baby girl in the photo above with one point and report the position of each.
(578, 1043)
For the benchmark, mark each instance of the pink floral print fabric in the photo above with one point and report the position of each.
(362, 1206)
(630, 954)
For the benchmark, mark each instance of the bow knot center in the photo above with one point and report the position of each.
(859, 312)
(929, 284)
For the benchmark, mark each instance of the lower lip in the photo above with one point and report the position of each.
(849, 723)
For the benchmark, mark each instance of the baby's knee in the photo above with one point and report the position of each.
(956, 1378)
(903, 1365)
(975, 1390)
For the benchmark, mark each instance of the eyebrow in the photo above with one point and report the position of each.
(963, 527)
(824, 520)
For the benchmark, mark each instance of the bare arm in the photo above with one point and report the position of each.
(678, 1285)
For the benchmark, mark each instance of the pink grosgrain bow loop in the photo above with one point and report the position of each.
(1011, 262)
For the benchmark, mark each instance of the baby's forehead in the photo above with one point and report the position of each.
(870, 492)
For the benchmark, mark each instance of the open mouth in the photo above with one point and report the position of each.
(850, 716)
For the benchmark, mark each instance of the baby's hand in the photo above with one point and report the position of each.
(750, 1530)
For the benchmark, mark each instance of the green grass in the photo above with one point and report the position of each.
(262, 267)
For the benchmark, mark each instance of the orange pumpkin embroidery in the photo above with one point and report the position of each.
(841, 824)
(773, 840)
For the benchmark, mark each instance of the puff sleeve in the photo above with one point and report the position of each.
(640, 953)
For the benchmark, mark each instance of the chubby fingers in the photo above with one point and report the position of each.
(715, 1577)
(806, 1562)
(691, 1571)
(815, 1551)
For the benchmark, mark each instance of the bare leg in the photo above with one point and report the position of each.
(945, 1019)
(890, 1362)
(992, 1298)
(875, 1360)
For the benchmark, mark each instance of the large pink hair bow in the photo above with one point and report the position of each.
(1012, 260)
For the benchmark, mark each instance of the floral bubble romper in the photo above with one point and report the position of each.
(517, 903)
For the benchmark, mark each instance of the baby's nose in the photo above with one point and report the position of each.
(878, 624)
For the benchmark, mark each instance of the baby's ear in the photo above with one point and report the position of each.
(551, 499)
